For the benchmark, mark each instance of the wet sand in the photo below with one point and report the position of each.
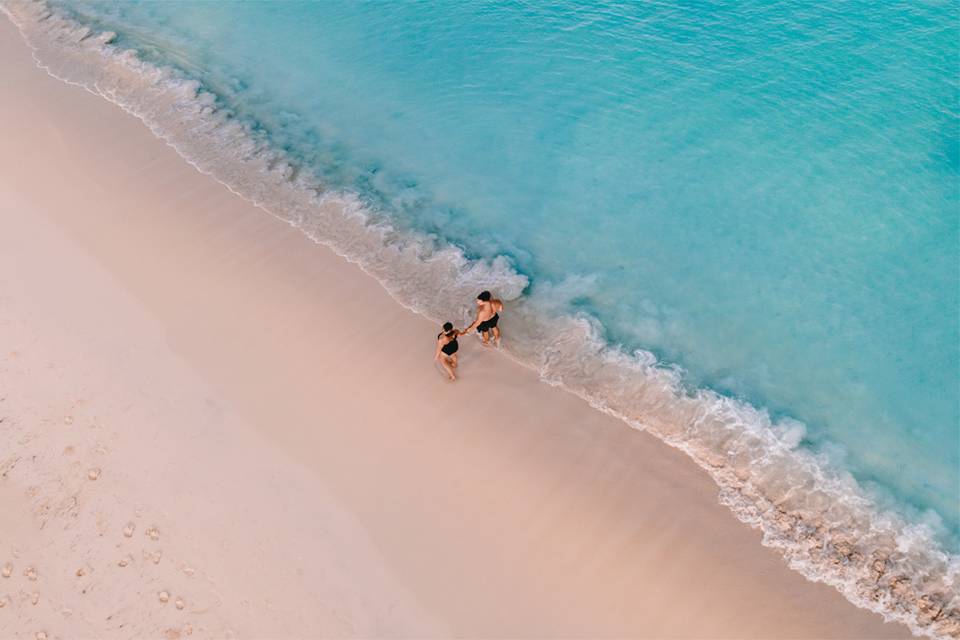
(266, 424)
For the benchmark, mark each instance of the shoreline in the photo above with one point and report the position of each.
(831, 531)
(466, 520)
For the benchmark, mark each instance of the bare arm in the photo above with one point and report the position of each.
(472, 326)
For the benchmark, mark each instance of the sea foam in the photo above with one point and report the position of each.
(826, 526)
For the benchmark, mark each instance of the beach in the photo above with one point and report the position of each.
(215, 427)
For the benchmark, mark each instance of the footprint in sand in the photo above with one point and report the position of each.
(7, 570)
(103, 526)
(94, 473)
(129, 529)
(41, 635)
(125, 560)
(5, 600)
(153, 533)
(154, 557)
(163, 597)
(30, 573)
(8, 466)
(178, 603)
(34, 598)
(68, 420)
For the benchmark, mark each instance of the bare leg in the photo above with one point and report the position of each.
(486, 337)
(453, 360)
(445, 363)
(496, 335)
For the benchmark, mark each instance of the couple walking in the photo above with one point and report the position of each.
(488, 315)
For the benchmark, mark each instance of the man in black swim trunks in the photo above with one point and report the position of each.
(488, 315)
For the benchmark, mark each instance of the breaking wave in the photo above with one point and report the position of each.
(826, 526)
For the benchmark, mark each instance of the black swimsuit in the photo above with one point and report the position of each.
(451, 347)
(486, 325)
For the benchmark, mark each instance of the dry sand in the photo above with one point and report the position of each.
(265, 423)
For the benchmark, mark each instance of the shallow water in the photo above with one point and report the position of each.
(766, 197)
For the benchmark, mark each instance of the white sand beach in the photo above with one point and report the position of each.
(214, 427)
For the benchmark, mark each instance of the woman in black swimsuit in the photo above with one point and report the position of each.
(447, 348)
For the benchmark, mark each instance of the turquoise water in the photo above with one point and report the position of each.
(766, 195)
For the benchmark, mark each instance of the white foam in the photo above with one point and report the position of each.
(817, 516)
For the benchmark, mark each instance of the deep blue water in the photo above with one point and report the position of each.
(765, 194)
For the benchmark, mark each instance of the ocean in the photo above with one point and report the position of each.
(734, 225)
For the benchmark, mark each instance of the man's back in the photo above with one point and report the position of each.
(489, 308)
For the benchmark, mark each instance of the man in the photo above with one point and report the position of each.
(488, 315)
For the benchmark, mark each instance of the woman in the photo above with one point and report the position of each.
(447, 348)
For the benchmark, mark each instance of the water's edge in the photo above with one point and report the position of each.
(823, 523)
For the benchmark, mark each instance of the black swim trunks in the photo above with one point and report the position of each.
(486, 325)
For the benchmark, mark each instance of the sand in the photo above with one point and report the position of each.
(213, 427)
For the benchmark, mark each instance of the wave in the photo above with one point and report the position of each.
(826, 526)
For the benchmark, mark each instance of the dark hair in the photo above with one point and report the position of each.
(484, 296)
(448, 327)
